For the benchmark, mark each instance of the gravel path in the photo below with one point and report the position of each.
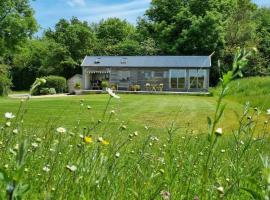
(23, 96)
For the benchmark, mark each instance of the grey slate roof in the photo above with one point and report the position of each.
(148, 61)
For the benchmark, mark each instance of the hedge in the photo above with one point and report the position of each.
(57, 82)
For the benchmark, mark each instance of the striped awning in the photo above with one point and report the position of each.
(98, 72)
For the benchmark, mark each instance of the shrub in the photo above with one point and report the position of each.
(104, 84)
(77, 86)
(57, 82)
(46, 91)
(135, 87)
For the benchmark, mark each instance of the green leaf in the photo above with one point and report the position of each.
(254, 194)
(133, 192)
(3, 176)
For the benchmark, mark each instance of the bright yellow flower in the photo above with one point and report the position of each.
(105, 142)
(88, 140)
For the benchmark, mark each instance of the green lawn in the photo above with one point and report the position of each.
(129, 161)
(136, 110)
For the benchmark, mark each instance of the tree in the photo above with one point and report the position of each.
(262, 18)
(75, 40)
(17, 23)
(114, 30)
(5, 81)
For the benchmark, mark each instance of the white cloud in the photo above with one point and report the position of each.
(74, 3)
(130, 11)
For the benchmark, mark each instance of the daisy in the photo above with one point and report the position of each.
(220, 189)
(268, 111)
(35, 145)
(9, 115)
(71, 168)
(117, 155)
(165, 195)
(218, 132)
(15, 131)
(46, 169)
(112, 94)
(61, 130)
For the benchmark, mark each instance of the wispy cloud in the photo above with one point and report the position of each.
(74, 3)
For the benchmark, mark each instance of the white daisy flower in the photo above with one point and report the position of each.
(15, 131)
(112, 94)
(117, 155)
(268, 111)
(61, 130)
(16, 147)
(112, 112)
(46, 169)
(219, 131)
(220, 189)
(71, 168)
(35, 145)
(9, 115)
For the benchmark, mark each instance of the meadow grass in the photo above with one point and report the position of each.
(255, 90)
(136, 147)
(141, 161)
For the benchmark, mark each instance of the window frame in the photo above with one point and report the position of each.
(177, 78)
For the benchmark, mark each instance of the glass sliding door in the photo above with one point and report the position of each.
(197, 78)
(178, 79)
(193, 78)
(202, 73)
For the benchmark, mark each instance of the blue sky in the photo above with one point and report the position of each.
(48, 12)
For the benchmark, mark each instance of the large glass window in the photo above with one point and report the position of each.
(178, 78)
(193, 78)
(201, 78)
(197, 78)
(124, 75)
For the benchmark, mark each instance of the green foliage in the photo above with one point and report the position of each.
(57, 82)
(254, 90)
(104, 84)
(77, 86)
(113, 30)
(34, 90)
(5, 82)
(46, 91)
(17, 23)
(49, 85)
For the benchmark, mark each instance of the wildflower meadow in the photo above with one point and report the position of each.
(105, 158)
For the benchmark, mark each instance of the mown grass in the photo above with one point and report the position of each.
(135, 110)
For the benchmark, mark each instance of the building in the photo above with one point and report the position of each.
(154, 73)
(73, 81)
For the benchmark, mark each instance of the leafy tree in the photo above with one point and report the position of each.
(114, 30)
(17, 23)
(76, 39)
(5, 81)
(262, 18)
